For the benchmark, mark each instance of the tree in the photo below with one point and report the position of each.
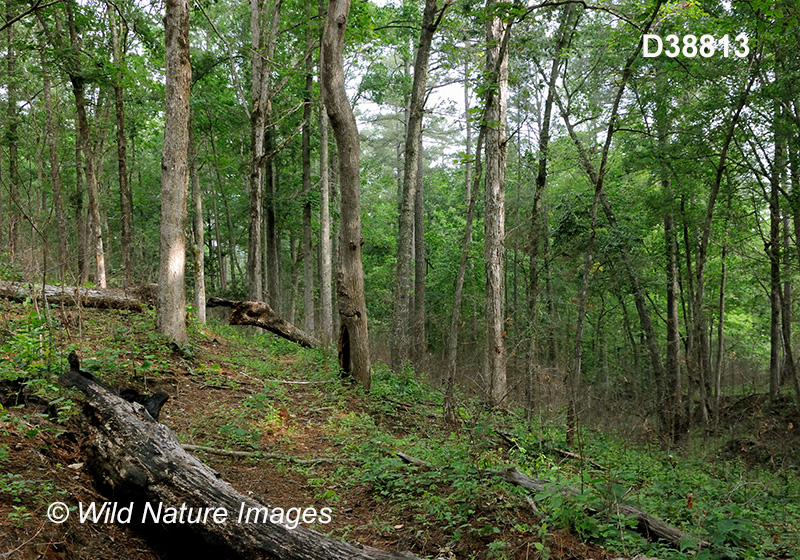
(354, 356)
(401, 318)
(494, 213)
(125, 196)
(175, 174)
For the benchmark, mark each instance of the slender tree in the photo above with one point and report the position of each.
(494, 211)
(354, 356)
(175, 174)
(401, 318)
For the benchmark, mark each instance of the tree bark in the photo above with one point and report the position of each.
(126, 209)
(420, 342)
(134, 298)
(354, 358)
(325, 249)
(494, 210)
(133, 457)
(11, 139)
(308, 254)
(773, 248)
(401, 317)
(55, 173)
(470, 187)
(77, 80)
(198, 231)
(223, 268)
(175, 174)
(260, 314)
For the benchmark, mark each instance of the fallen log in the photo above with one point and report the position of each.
(260, 314)
(133, 299)
(646, 524)
(135, 459)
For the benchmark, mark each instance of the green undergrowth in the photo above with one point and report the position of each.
(742, 512)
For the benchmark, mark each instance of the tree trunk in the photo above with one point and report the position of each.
(420, 342)
(272, 241)
(401, 317)
(133, 298)
(80, 215)
(198, 231)
(537, 213)
(175, 174)
(325, 249)
(494, 211)
(774, 254)
(77, 80)
(55, 172)
(674, 412)
(223, 268)
(260, 314)
(126, 210)
(254, 277)
(11, 139)
(354, 356)
(130, 454)
(470, 188)
(308, 254)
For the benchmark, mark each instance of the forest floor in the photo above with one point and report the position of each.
(319, 441)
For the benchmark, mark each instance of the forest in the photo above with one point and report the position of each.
(553, 244)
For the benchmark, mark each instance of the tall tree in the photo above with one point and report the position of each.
(263, 34)
(55, 172)
(308, 255)
(125, 195)
(78, 81)
(175, 174)
(496, 90)
(354, 356)
(401, 318)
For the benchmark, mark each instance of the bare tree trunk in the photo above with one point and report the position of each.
(126, 211)
(80, 216)
(354, 356)
(774, 254)
(12, 139)
(272, 240)
(55, 173)
(294, 278)
(263, 29)
(77, 80)
(470, 188)
(223, 268)
(673, 362)
(175, 174)
(401, 338)
(325, 249)
(198, 231)
(255, 284)
(420, 265)
(308, 254)
(494, 211)
(537, 214)
(720, 334)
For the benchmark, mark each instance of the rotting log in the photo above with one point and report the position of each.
(134, 458)
(646, 524)
(260, 314)
(133, 299)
